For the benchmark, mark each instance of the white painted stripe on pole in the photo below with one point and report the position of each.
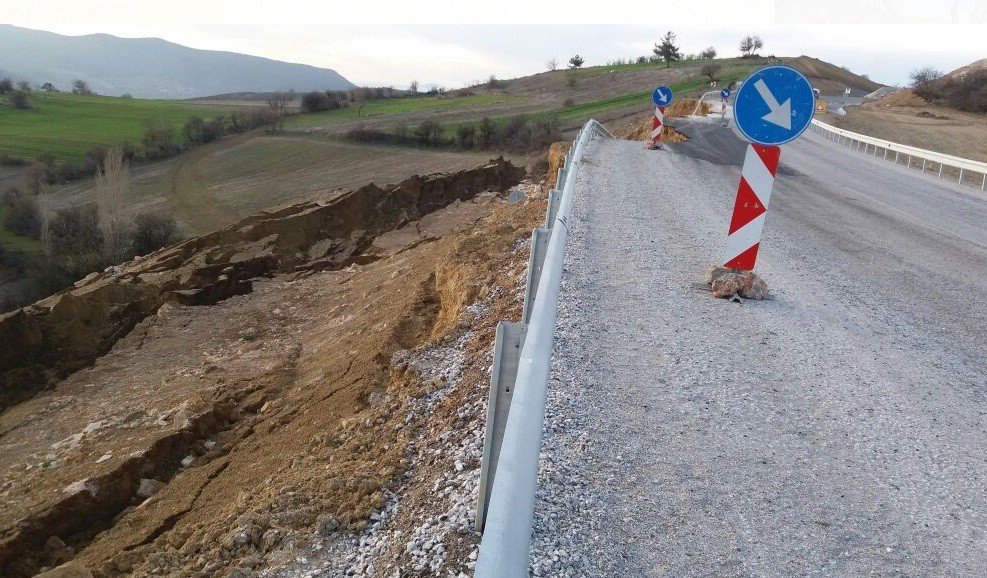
(758, 177)
(745, 237)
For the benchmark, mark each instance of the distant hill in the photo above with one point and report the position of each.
(831, 79)
(969, 68)
(149, 67)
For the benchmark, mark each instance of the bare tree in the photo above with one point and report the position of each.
(110, 194)
(413, 87)
(924, 76)
(750, 45)
(24, 86)
(552, 65)
(277, 104)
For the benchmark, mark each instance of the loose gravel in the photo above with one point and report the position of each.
(837, 429)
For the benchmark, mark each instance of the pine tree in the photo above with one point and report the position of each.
(667, 50)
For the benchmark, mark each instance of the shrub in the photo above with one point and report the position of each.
(152, 232)
(568, 102)
(429, 132)
(315, 101)
(194, 129)
(8, 160)
(23, 215)
(710, 70)
(6, 85)
(466, 136)
(75, 241)
(159, 140)
(213, 129)
(967, 93)
(576, 61)
(708, 54)
(486, 131)
(19, 100)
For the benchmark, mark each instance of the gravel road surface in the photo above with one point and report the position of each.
(837, 429)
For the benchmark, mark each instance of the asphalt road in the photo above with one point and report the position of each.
(837, 429)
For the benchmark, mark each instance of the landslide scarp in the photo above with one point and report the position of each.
(47, 340)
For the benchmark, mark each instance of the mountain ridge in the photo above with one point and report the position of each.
(150, 67)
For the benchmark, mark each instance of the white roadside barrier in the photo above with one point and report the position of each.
(518, 388)
(964, 171)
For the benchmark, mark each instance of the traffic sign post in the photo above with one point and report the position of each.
(662, 97)
(724, 101)
(773, 107)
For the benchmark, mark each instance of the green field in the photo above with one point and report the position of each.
(395, 106)
(67, 125)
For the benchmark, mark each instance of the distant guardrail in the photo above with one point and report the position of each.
(518, 388)
(965, 171)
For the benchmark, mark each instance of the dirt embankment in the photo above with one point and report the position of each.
(68, 331)
(207, 435)
(906, 118)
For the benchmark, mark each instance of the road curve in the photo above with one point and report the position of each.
(837, 429)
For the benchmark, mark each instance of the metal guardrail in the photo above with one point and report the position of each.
(518, 389)
(920, 159)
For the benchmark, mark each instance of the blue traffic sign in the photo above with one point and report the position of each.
(725, 93)
(662, 96)
(774, 105)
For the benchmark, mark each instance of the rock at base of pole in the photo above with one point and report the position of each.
(729, 283)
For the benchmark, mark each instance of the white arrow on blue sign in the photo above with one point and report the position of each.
(662, 96)
(725, 93)
(774, 105)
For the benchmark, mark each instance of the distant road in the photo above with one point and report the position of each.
(838, 429)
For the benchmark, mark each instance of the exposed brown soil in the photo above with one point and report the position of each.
(640, 128)
(69, 330)
(267, 411)
(906, 118)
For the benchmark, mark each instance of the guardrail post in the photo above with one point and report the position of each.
(560, 180)
(539, 244)
(503, 375)
(940, 170)
(983, 186)
(895, 157)
(554, 196)
(960, 180)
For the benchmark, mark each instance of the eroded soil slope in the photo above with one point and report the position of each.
(228, 427)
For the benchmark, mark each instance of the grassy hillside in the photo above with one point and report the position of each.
(67, 125)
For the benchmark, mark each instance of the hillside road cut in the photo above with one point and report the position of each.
(837, 429)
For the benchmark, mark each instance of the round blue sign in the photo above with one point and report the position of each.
(725, 93)
(774, 105)
(662, 96)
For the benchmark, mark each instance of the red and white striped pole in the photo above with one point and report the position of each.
(751, 206)
(656, 125)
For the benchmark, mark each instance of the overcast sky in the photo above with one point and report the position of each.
(452, 43)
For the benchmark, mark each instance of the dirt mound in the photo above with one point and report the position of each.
(69, 330)
(965, 70)
(264, 418)
(829, 78)
(903, 97)
(641, 130)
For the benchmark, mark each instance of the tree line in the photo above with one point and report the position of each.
(78, 239)
(517, 134)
